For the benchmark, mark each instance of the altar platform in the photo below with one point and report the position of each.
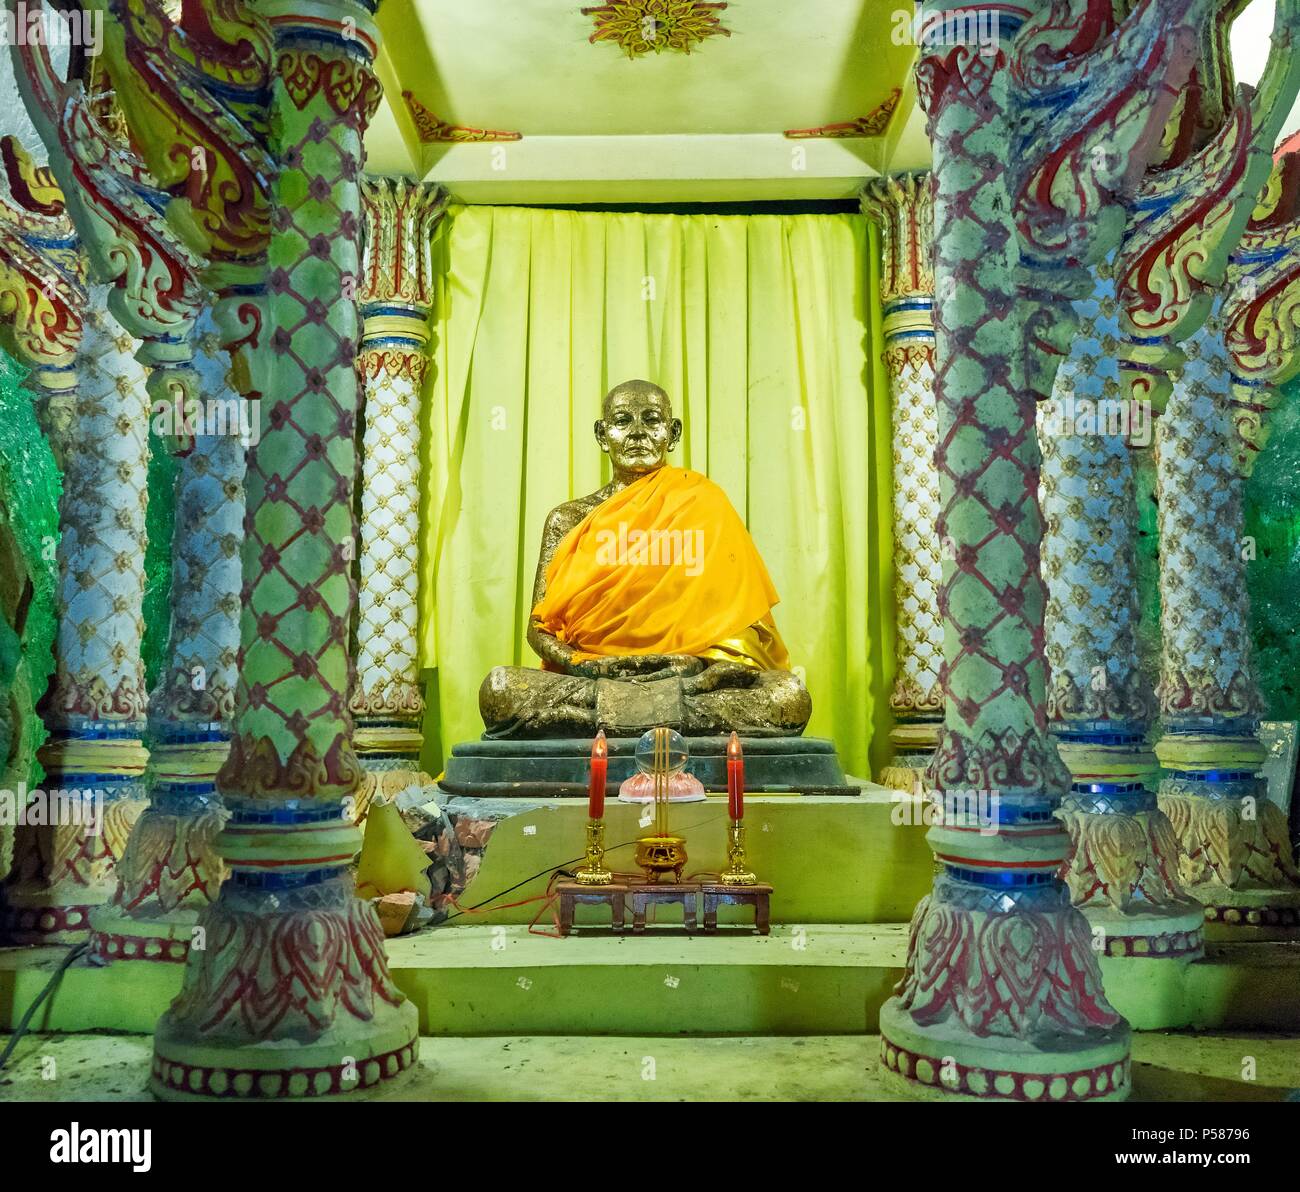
(829, 859)
(1166, 1067)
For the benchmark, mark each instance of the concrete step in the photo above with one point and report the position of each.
(801, 979)
(809, 979)
(1248, 986)
(818, 979)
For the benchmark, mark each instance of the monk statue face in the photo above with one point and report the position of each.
(637, 429)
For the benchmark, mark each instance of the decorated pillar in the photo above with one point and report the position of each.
(43, 297)
(1125, 870)
(1190, 219)
(42, 270)
(291, 995)
(43, 279)
(1123, 865)
(193, 91)
(903, 206)
(1261, 308)
(149, 301)
(94, 709)
(1002, 992)
(201, 162)
(1192, 211)
(115, 207)
(171, 870)
(396, 298)
(1236, 852)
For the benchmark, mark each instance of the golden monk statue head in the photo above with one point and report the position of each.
(636, 429)
(651, 604)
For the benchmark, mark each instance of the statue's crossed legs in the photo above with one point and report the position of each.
(520, 702)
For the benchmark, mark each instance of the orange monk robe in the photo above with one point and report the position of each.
(663, 567)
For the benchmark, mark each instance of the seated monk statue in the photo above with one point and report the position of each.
(651, 604)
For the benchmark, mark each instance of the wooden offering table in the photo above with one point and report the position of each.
(699, 902)
(612, 896)
(685, 893)
(714, 895)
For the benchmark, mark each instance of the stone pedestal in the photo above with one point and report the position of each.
(291, 998)
(1123, 870)
(546, 769)
(1236, 853)
(950, 1061)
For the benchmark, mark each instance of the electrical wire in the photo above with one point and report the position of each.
(549, 897)
(546, 899)
(21, 1029)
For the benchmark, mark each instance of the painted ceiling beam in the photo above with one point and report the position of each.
(653, 169)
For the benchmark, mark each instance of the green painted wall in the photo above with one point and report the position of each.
(830, 860)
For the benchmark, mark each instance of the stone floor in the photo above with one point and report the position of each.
(1167, 1067)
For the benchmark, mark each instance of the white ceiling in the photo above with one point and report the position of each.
(598, 126)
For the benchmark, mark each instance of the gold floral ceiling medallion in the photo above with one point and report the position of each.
(652, 26)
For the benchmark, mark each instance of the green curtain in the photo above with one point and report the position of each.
(764, 330)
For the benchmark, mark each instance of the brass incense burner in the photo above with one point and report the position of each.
(660, 855)
(660, 852)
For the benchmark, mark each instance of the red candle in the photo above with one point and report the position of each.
(599, 768)
(735, 779)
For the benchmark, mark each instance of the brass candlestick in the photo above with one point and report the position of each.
(736, 872)
(592, 871)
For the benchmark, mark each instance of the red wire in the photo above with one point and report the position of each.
(551, 897)
(504, 906)
(547, 900)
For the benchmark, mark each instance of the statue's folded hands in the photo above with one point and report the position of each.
(719, 675)
(640, 668)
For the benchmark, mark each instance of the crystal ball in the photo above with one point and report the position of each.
(678, 754)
